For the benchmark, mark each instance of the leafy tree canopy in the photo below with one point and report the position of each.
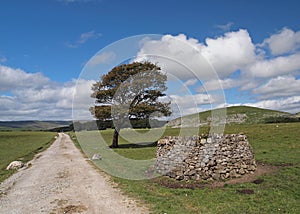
(130, 91)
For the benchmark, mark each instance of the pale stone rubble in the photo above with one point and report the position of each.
(15, 165)
(97, 157)
(215, 157)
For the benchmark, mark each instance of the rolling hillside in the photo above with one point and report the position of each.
(234, 114)
(32, 125)
(297, 114)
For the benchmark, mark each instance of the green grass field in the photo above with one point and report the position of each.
(21, 145)
(273, 144)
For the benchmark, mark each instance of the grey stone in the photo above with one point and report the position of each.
(15, 165)
(97, 157)
(242, 171)
(205, 157)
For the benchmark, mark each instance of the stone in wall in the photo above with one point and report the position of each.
(215, 157)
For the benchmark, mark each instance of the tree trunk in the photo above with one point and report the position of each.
(115, 141)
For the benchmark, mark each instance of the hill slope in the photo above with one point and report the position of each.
(297, 114)
(234, 114)
(32, 125)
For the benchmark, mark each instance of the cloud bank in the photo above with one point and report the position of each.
(32, 96)
(265, 75)
(269, 70)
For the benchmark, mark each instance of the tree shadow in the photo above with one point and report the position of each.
(137, 145)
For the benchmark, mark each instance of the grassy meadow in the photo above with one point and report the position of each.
(274, 145)
(21, 145)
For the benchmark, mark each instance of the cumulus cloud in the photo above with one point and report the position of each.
(276, 66)
(285, 41)
(17, 78)
(249, 84)
(225, 62)
(225, 54)
(227, 83)
(289, 104)
(187, 58)
(190, 82)
(214, 62)
(178, 56)
(282, 86)
(231, 52)
(27, 96)
(82, 100)
(191, 103)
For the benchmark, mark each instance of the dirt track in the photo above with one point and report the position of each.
(60, 180)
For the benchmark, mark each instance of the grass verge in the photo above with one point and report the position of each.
(21, 145)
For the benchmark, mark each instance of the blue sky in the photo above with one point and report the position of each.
(44, 45)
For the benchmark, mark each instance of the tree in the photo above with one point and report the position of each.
(130, 91)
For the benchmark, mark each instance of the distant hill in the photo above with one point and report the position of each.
(234, 115)
(297, 114)
(32, 125)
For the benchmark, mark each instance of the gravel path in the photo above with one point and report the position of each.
(60, 180)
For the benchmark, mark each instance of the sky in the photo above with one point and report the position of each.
(216, 53)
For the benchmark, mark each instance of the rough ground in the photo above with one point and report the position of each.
(60, 180)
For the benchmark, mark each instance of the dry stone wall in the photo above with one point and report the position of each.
(215, 157)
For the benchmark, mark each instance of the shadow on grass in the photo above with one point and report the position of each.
(137, 145)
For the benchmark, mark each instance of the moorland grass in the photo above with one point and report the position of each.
(253, 115)
(273, 144)
(21, 145)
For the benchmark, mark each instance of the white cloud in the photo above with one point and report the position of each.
(191, 103)
(187, 58)
(285, 41)
(102, 58)
(84, 37)
(178, 56)
(249, 84)
(191, 82)
(12, 109)
(227, 83)
(231, 52)
(234, 51)
(13, 79)
(273, 67)
(198, 99)
(27, 96)
(271, 79)
(82, 100)
(226, 54)
(290, 104)
(225, 27)
(281, 86)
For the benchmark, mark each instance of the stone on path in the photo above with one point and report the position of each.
(15, 165)
(96, 157)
